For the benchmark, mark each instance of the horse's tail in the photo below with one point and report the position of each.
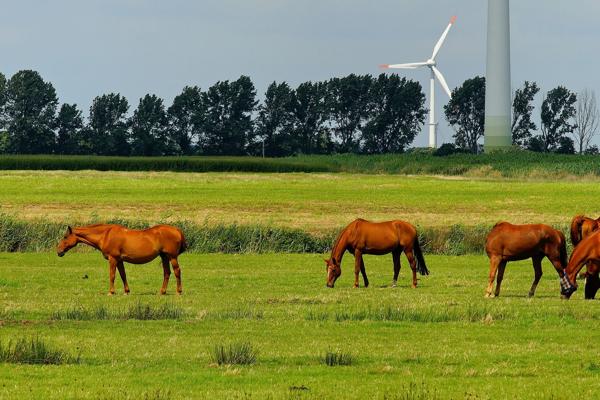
(183, 246)
(421, 266)
(576, 229)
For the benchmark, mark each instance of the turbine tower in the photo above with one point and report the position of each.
(435, 74)
(498, 89)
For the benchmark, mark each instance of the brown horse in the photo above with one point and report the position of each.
(119, 244)
(588, 250)
(507, 242)
(364, 237)
(582, 227)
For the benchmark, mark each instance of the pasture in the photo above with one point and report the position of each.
(442, 340)
(312, 202)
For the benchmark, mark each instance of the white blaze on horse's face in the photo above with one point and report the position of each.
(333, 272)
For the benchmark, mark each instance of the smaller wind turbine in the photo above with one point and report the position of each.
(435, 73)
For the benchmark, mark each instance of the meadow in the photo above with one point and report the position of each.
(441, 340)
(269, 305)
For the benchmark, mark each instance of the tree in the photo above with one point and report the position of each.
(30, 110)
(185, 120)
(275, 122)
(349, 102)
(228, 125)
(465, 112)
(558, 110)
(69, 125)
(522, 125)
(107, 132)
(149, 128)
(586, 120)
(396, 114)
(311, 133)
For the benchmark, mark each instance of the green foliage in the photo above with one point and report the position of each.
(558, 111)
(311, 114)
(30, 110)
(234, 354)
(465, 112)
(69, 126)
(186, 116)
(107, 130)
(33, 351)
(149, 135)
(522, 125)
(337, 358)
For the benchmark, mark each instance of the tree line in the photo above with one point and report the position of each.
(356, 113)
(353, 114)
(568, 121)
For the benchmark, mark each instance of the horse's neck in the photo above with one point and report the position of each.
(337, 253)
(91, 236)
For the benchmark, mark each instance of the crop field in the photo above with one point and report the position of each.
(313, 202)
(441, 340)
(264, 326)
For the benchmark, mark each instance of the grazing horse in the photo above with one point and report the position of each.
(364, 237)
(119, 244)
(582, 227)
(588, 250)
(507, 242)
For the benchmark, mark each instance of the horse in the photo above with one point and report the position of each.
(364, 237)
(119, 244)
(582, 227)
(588, 250)
(507, 242)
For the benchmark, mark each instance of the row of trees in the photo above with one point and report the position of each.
(568, 121)
(352, 114)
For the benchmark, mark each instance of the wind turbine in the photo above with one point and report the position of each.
(435, 73)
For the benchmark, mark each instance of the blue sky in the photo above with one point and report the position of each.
(91, 47)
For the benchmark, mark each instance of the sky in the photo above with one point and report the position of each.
(91, 47)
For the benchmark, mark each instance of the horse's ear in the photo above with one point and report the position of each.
(69, 230)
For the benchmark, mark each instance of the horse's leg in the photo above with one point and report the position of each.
(494, 262)
(112, 269)
(177, 272)
(413, 264)
(357, 263)
(363, 271)
(501, 268)
(121, 268)
(396, 258)
(537, 270)
(166, 273)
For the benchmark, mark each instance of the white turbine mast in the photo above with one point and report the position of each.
(435, 74)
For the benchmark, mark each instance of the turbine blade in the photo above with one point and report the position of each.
(440, 42)
(442, 81)
(404, 66)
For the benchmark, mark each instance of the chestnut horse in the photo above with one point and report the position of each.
(588, 250)
(364, 237)
(582, 227)
(507, 242)
(119, 244)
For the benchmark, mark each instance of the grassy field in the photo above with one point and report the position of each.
(442, 340)
(312, 202)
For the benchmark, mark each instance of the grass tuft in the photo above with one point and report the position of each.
(234, 354)
(34, 351)
(334, 358)
(137, 311)
(151, 312)
(414, 392)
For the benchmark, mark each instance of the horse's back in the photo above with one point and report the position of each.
(382, 235)
(521, 241)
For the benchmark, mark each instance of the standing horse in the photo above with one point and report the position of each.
(119, 244)
(582, 227)
(507, 242)
(588, 250)
(364, 237)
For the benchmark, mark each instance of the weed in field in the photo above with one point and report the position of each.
(82, 314)
(413, 392)
(137, 311)
(238, 313)
(33, 351)
(150, 312)
(334, 358)
(234, 354)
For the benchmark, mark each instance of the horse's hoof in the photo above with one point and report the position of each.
(110, 294)
(126, 293)
(530, 295)
(489, 296)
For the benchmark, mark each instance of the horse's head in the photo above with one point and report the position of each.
(567, 288)
(333, 271)
(68, 241)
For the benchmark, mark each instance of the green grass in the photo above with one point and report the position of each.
(33, 351)
(314, 203)
(442, 340)
(234, 354)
